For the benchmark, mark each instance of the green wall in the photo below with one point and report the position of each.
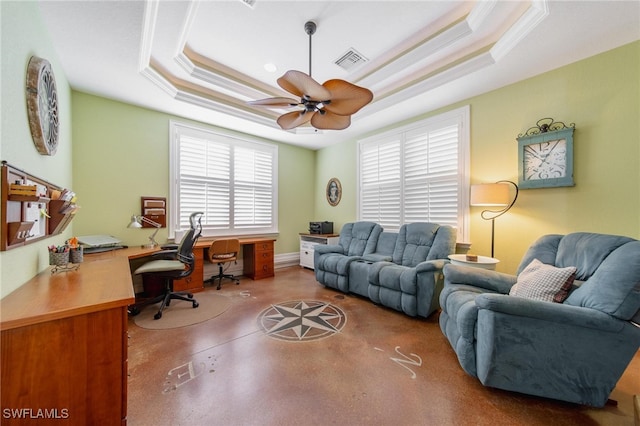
(601, 95)
(337, 161)
(121, 152)
(22, 35)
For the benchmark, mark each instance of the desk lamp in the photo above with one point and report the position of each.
(136, 223)
(493, 195)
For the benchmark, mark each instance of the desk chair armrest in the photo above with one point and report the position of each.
(165, 254)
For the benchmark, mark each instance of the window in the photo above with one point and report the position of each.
(417, 173)
(232, 181)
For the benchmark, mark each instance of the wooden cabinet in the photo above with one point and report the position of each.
(308, 243)
(64, 346)
(79, 364)
(258, 259)
(193, 282)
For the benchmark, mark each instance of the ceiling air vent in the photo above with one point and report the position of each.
(249, 3)
(350, 59)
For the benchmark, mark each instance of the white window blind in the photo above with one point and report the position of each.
(417, 173)
(232, 181)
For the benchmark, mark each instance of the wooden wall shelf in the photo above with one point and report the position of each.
(24, 199)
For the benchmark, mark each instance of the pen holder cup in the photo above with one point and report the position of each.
(58, 259)
(76, 255)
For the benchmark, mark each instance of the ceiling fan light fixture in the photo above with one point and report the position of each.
(325, 106)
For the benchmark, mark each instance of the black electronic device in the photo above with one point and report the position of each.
(321, 227)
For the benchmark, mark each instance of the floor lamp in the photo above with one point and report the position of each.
(493, 195)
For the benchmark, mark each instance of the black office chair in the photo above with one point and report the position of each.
(172, 265)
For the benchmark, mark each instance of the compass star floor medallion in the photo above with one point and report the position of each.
(302, 320)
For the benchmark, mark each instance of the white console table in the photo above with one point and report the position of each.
(308, 243)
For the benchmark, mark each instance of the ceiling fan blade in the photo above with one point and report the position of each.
(294, 119)
(330, 121)
(300, 84)
(346, 98)
(275, 102)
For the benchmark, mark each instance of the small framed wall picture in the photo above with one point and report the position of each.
(334, 191)
(545, 157)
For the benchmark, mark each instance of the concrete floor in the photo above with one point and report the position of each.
(356, 364)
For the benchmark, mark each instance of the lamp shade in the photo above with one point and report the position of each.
(134, 222)
(490, 194)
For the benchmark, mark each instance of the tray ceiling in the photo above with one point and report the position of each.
(205, 60)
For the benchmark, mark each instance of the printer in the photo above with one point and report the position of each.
(321, 227)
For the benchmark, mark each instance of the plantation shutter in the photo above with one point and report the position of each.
(431, 176)
(415, 174)
(253, 198)
(233, 182)
(380, 183)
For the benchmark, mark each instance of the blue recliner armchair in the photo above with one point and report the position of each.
(573, 351)
(412, 280)
(331, 262)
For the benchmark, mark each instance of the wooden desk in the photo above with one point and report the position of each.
(258, 255)
(64, 344)
(64, 336)
(257, 258)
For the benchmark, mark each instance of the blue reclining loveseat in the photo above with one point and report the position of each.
(400, 270)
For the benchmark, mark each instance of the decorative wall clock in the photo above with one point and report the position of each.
(334, 191)
(42, 105)
(545, 155)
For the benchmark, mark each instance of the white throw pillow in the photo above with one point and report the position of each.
(540, 281)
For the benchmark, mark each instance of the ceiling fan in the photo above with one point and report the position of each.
(327, 106)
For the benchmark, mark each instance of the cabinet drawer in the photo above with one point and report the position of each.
(307, 245)
(264, 246)
(264, 258)
(263, 265)
(306, 257)
(263, 271)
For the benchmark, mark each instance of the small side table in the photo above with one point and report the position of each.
(483, 262)
(308, 243)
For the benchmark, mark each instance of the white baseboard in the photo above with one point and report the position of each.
(286, 259)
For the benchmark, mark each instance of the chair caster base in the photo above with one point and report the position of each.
(195, 304)
(133, 311)
(157, 316)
